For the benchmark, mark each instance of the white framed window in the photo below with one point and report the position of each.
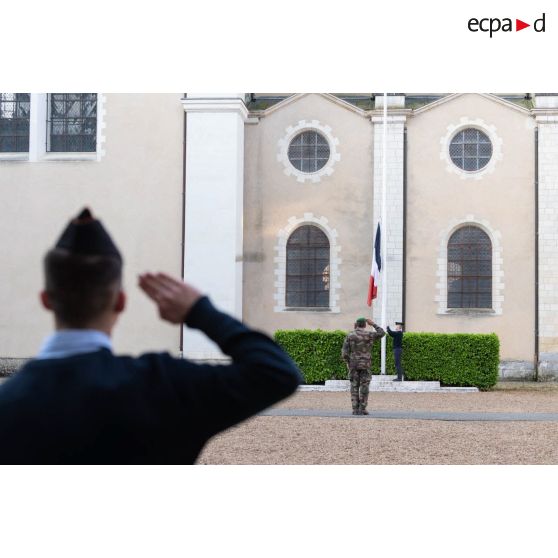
(45, 127)
(308, 151)
(470, 149)
(307, 275)
(14, 125)
(307, 266)
(470, 270)
(71, 123)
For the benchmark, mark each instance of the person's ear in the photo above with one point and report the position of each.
(45, 300)
(120, 303)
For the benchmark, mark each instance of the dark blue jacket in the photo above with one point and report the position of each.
(397, 338)
(98, 408)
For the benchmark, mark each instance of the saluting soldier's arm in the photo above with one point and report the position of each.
(379, 333)
(219, 396)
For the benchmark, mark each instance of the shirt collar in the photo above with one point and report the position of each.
(70, 342)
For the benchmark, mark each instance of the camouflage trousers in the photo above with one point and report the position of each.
(360, 385)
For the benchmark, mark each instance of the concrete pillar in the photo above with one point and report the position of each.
(214, 207)
(546, 113)
(394, 202)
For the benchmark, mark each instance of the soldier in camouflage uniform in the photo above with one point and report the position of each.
(356, 354)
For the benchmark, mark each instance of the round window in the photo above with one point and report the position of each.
(309, 151)
(470, 149)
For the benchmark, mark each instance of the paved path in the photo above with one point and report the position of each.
(415, 415)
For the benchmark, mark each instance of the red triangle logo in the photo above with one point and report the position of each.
(519, 25)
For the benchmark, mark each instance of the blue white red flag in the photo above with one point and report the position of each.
(376, 268)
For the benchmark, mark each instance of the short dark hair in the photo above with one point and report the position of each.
(360, 323)
(80, 287)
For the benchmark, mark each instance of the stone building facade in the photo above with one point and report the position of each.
(269, 203)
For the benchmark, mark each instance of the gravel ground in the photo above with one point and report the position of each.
(511, 401)
(320, 440)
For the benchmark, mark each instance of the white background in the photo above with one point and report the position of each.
(270, 46)
(287, 512)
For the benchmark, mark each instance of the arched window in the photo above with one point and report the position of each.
(307, 268)
(469, 269)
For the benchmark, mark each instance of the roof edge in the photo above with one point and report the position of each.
(489, 96)
(297, 96)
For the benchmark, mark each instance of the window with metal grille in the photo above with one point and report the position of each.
(72, 122)
(309, 151)
(470, 149)
(307, 268)
(469, 269)
(14, 122)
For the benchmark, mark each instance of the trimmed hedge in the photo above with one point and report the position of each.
(454, 359)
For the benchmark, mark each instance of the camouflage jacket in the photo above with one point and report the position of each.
(357, 347)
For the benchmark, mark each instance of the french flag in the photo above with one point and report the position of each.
(376, 268)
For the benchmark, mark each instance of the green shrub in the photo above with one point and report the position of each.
(316, 352)
(455, 359)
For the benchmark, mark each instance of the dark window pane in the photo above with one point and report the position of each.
(73, 122)
(295, 151)
(470, 149)
(469, 135)
(485, 285)
(309, 151)
(454, 300)
(308, 268)
(469, 269)
(14, 122)
(469, 164)
(485, 149)
(306, 165)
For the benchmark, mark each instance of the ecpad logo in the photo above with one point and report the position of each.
(494, 24)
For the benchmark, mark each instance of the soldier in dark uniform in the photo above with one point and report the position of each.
(356, 354)
(397, 336)
(77, 402)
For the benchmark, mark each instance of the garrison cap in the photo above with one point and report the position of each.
(85, 235)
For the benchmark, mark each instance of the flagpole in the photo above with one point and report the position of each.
(384, 236)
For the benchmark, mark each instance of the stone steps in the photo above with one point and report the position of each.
(386, 383)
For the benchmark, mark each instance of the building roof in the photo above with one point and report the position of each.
(366, 101)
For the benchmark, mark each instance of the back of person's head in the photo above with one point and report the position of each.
(83, 273)
(81, 287)
(360, 323)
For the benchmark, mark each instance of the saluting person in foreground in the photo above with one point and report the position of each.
(77, 402)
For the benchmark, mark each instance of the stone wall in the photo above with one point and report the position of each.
(516, 370)
(547, 122)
